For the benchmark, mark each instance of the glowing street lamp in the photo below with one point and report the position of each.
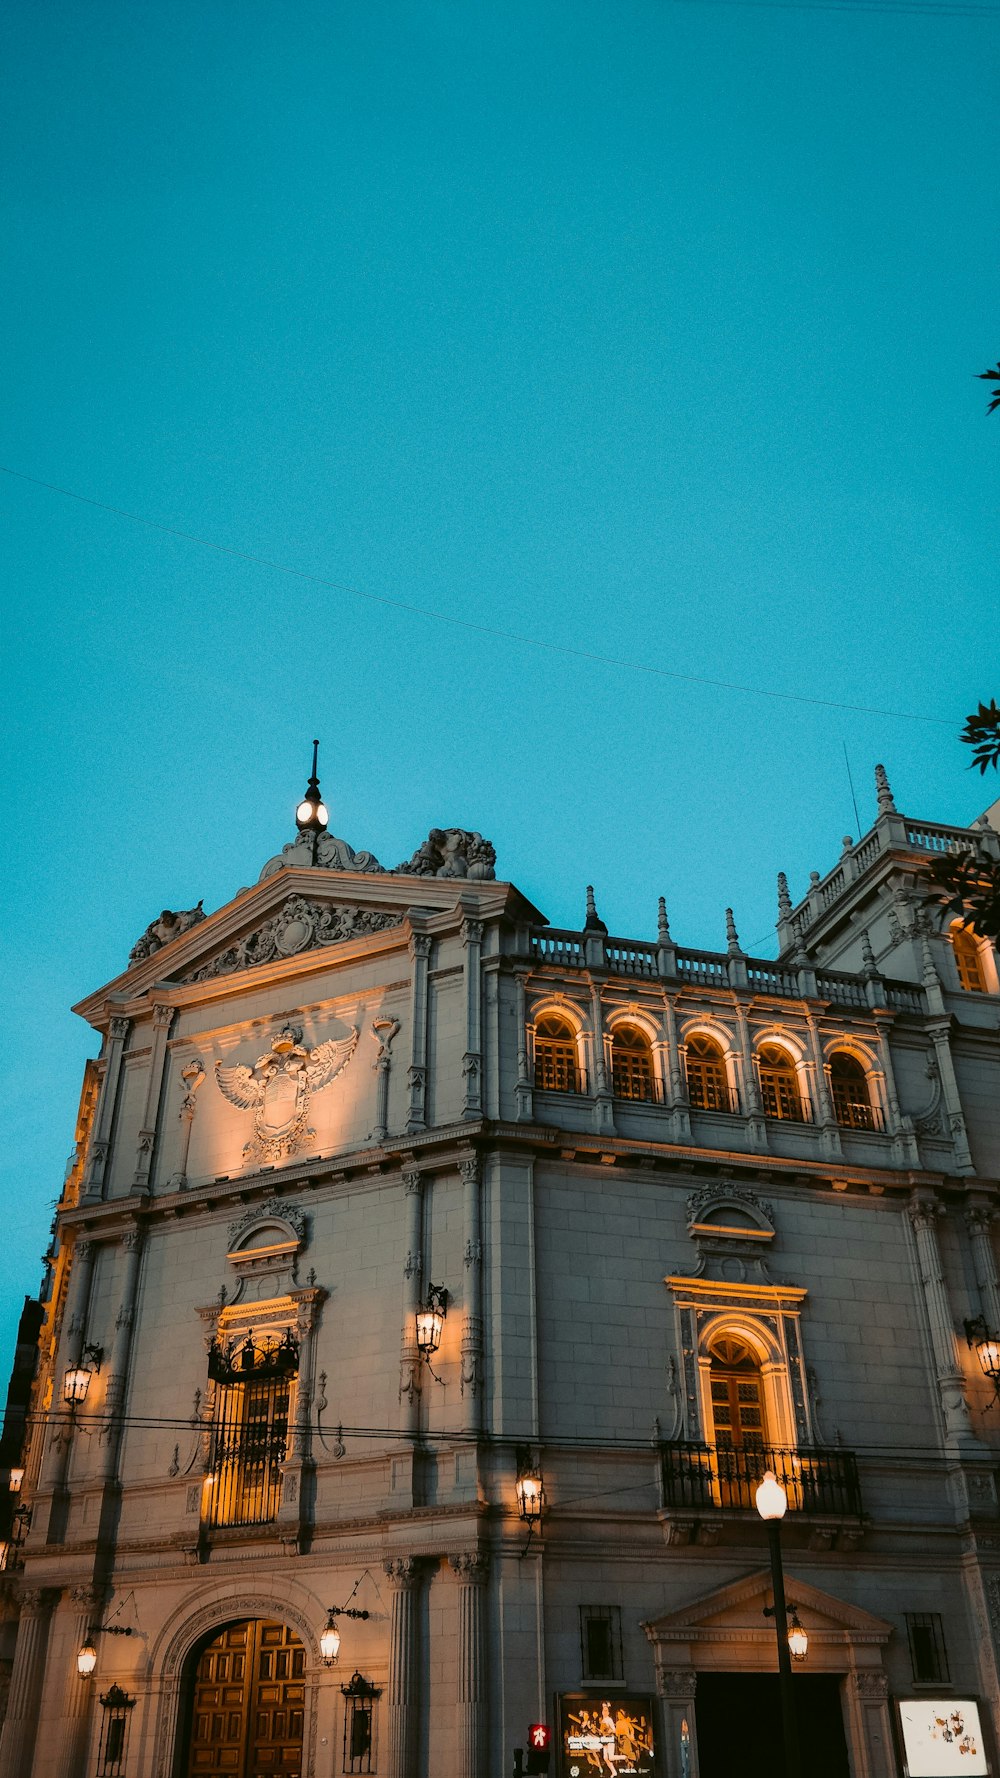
(311, 816)
(430, 1320)
(798, 1641)
(771, 1502)
(76, 1382)
(329, 1640)
(16, 1479)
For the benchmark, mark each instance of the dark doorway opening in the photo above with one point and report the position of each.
(739, 1725)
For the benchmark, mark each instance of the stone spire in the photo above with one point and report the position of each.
(593, 922)
(886, 806)
(784, 899)
(733, 945)
(662, 924)
(869, 965)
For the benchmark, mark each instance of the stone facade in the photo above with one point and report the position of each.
(315, 1103)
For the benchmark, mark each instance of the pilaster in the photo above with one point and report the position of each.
(472, 1061)
(924, 1212)
(403, 1690)
(471, 1572)
(523, 1102)
(162, 1015)
(472, 1328)
(412, 1288)
(100, 1141)
(420, 950)
(20, 1729)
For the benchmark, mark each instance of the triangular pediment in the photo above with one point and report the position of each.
(739, 1606)
(289, 916)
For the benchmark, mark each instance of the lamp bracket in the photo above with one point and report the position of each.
(95, 1354)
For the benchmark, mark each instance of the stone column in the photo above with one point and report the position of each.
(472, 1061)
(471, 1572)
(924, 1211)
(162, 1016)
(825, 1117)
(523, 1090)
(192, 1076)
(872, 1696)
(940, 1037)
(80, 1692)
(979, 1217)
(100, 1140)
(756, 1126)
(293, 1512)
(403, 1692)
(679, 1754)
(17, 1744)
(472, 1327)
(413, 1276)
(680, 1115)
(420, 950)
(56, 1459)
(117, 1380)
(601, 1085)
(383, 1031)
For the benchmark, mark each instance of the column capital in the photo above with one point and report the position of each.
(87, 1598)
(924, 1209)
(34, 1600)
(420, 945)
(872, 1684)
(402, 1572)
(471, 1567)
(413, 1180)
(469, 1169)
(118, 1029)
(162, 1015)
(472, 932)
(132, 1237)
(677, 1682)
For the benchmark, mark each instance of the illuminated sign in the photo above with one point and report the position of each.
(612, 1737)
(941, 1736)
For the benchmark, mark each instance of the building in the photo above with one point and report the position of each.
(440, 1284)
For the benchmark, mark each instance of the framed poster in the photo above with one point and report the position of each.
(605, 1737)
(941, 1736)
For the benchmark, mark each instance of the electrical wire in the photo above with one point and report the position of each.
(462, 623)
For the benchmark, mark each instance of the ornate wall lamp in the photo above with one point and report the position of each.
(798, 1639)
(20, 1525)
(86, 1659)
(530, 1491)
(76, 1382)
(15, 1481)
(430, 1324)
(986, 1346)
(329, 1637)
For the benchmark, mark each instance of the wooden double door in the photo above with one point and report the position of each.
(248, 1704)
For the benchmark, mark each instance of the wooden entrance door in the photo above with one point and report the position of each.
(249, 1699)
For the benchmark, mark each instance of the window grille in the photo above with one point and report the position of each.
(631, 1064)
(116, 1709)
(250, 1428)
(928, 1655)
(360, 1704)
(601, 1642)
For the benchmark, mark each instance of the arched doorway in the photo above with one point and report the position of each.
(247, 1704)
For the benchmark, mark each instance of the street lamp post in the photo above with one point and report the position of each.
(772, 1501)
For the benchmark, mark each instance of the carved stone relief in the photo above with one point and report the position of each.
(278, 1087)
(300, 926)
(160, 931)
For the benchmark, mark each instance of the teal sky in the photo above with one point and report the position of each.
(647, 328)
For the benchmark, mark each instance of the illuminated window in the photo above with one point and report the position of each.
(779, 1084)
(968, 959)
(632, 1064)
(708, 1084)
(852, 1104)
(253, 1399)
(556, 1067)
(738, 1419)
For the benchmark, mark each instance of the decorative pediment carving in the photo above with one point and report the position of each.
(300, 926)
(161, 931)
(264, 1247)
(732, 1229)
(452, 852)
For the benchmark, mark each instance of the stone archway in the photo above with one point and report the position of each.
(243, 1703)
(725, 1631)
(175, 1654)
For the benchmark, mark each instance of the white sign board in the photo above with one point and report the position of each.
(942, 1736)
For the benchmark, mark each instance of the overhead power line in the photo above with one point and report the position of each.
(463, 623)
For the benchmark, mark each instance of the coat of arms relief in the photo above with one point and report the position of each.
(278, 1089)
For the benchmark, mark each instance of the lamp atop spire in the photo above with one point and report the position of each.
(311, 814)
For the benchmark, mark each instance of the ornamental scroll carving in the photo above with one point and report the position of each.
(278, 1088)
(300, 926)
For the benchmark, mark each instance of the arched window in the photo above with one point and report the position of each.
(708, 1084)
(852, 1105)
(779, 1084)
(556, 1067)
(631, 1063)
(968, 958)
(737, 1396)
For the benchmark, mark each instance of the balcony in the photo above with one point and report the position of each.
(704, 1485)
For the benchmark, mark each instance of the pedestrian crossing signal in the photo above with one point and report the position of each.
(539, 1748)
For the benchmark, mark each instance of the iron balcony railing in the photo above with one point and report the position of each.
(705, 1477)
(710, 1095)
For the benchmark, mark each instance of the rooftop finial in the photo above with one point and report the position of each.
(311, 814)
(732, 936)
(593, 922)
(886, 806)
(662, 924)
(784, 899)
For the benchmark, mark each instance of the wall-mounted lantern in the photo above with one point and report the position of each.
(430, 1321)
(986, 1346)
(76, 1382)
(329, 1636)
(15, 1480)
(86, 1659)
(530, 1491)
